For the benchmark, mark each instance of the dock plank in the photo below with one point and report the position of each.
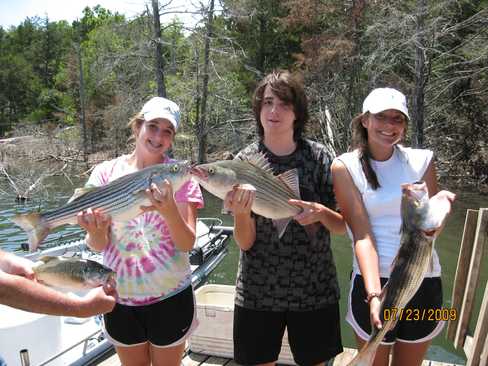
(216, 361)
(232, 363)
(111, 361)
(194, 359)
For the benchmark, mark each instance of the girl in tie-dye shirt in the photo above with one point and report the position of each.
(155, 310)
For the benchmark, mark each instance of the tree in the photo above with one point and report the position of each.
(257, 28)
(202, 124)
(158, 57)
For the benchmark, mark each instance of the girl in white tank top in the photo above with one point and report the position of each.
(367, 186)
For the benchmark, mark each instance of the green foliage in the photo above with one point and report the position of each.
(342, 50)
(257, 27)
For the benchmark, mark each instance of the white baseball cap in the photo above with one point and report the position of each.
(381, 99)
(158, 107)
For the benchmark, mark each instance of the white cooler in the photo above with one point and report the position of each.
(215, 309)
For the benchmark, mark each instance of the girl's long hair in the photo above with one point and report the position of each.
(135, 124)
(359, 141)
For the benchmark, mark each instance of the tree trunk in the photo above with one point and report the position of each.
(82, 105)
(355, 67)
(158, 59)
(202, 131)
(197, 97)
(421, 76)
(261, 59)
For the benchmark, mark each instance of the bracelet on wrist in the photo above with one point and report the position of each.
(371, 295)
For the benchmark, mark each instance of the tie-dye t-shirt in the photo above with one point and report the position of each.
(149, 267)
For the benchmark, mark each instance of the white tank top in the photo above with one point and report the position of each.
(406, 165)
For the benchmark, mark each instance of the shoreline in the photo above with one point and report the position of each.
(46, 149)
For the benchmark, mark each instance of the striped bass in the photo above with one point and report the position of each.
(421, 218)
(121, 199)
(272, 192)
(72, 273)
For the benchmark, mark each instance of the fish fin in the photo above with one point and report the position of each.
(260, 161)
(35, 227)
(80, 192)
(47, 258)
(290, 179)
(281, 225)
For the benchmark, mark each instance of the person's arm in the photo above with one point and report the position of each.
(316, 212)
(239, 201)
(28, 295)
(181, 218)
(17, 290)
(353, 210)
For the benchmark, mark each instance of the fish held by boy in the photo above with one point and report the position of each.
(121, 199)
(272, 191)
(421, 219)
(72, 274)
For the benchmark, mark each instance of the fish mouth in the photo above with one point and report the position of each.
(414, 190)
(429, 233)
(199, 172)
(111, 280)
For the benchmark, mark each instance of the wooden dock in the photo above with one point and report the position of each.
(198, 359)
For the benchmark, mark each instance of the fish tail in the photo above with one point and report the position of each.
(34, 226)
(365, 357)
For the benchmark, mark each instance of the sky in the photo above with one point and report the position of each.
(14, 12)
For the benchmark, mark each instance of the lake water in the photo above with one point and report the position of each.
(58, 189)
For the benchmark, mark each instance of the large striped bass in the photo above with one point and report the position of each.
(272, 191)
(72, 273)
(121, 199)
(421, 218)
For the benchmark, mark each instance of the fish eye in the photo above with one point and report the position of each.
(211, 170)
(174, 168)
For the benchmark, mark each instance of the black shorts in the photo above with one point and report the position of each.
(407, 329)
(314, 336)
(165, 323)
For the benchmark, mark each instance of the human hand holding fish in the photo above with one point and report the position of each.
(311, 211)
(374, 312)
(162, 198)
(443, 201)
(99, 300)
(240, 199)
(97, 225)
(16, 265)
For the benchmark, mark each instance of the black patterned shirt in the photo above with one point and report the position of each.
(296, 272)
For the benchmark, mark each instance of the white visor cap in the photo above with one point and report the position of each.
(158, 107)
(382, 99)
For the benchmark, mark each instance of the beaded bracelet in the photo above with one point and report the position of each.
(371, 295)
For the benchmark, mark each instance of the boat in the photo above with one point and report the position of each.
(38, 339)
